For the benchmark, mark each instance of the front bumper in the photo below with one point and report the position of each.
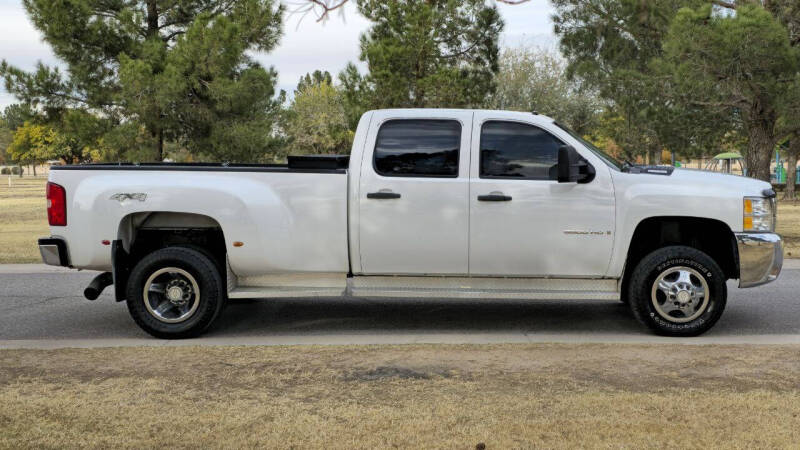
(760, 258)
(54, 251)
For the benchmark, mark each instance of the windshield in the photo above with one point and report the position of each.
(608, 159)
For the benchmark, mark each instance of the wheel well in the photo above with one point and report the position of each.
(142, 233)
(710, 236)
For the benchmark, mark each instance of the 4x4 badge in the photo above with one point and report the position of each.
(125, 196)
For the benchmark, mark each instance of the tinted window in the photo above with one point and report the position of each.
(424, 148)
(517, 150)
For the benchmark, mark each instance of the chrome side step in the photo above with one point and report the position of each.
(435, 287)
(283, 292)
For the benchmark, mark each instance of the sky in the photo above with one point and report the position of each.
(305, 46)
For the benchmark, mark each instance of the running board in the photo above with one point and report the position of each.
(440, 287)
(483, 287)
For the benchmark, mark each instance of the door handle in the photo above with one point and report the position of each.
(494, 198)
(383, 195)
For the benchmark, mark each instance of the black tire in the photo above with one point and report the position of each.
(201, 270)
(652, 308)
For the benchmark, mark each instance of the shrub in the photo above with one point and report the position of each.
(5, 171)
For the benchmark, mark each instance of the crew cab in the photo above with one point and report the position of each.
(430, 203)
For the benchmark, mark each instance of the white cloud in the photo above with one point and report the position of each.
(20, 43)
(304, 48)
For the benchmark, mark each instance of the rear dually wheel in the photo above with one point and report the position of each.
(175, 292)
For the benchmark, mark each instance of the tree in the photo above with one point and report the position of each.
(317, 122)
(532, 78)
(6, 136)
(788, 13)
(322, 8)
(792, 154)
(76, 137)
(17, 114)
(356, 94)
(716, 62)
(178, 68)
(13, 117)
(31, 144)
(36, 144)
(314, 79)
(430, 53)
(610, 45)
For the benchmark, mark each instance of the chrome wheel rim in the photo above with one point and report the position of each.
(171, 295)
(680, 294)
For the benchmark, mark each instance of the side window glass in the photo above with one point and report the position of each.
(518, 150)
(418, 148)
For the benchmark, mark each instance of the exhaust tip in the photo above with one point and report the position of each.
(95, 288)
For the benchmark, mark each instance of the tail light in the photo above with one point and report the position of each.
(56, 205)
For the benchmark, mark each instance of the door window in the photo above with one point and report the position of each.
(418, 148)
(518, 150)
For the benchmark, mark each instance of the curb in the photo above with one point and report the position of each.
(402, 339)
(20, 269)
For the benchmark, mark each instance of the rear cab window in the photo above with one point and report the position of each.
(418, 148)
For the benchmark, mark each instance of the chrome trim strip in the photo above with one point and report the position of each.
(760, 258)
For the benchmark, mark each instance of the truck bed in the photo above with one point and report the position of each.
(288, 218)
(304, 163)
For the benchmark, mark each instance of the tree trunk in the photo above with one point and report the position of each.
(20, 170)
(791, 170)
(34, 169)
(152, 31)
(152, 18)
(760, 148)
(160, 146)
(654, 156)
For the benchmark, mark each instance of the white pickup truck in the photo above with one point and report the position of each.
(430, 203)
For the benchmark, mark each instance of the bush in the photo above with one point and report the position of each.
(16, 170)
(5, 171)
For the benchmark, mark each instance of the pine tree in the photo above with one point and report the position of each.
(716, 63)
(610, 46)
(162, 69)
(428, 53)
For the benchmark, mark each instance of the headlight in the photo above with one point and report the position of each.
(759, 214)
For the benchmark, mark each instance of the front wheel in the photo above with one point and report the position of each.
(677, 291)
(175, 293)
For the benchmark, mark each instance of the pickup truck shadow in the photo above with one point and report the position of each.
(423, 316)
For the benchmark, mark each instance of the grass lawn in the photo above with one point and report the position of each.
(789, 227)
(421, 396)
(23, 219)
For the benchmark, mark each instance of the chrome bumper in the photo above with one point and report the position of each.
(53, 251)
(760, 258)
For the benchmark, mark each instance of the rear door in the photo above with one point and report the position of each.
(413, 193)
(522, 221)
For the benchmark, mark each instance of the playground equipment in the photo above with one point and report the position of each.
(779, 175)
(728, 162)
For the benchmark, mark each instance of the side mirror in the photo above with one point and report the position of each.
(572, 167)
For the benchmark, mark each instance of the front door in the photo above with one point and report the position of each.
(412, 199)
(522, 221)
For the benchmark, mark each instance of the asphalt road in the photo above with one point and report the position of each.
(44, 308)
